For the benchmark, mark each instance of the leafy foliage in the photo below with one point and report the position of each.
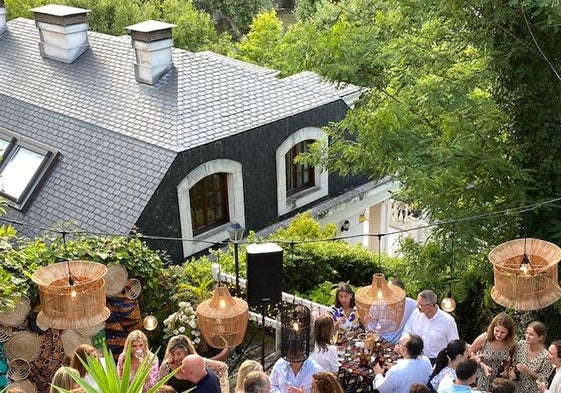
(260, 44)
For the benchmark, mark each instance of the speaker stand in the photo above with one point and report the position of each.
(263, 332)
(241, 351)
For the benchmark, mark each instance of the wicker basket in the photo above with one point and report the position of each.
(26, 385)
(133, 289)
(380, 307)
(18, 369)
(24, 345)
(18, 315)
(223, 319)
(65, 306)
(71, 340)
(531, 289)
(115, 279)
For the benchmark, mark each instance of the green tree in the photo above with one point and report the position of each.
(260, 44)
(234, 16)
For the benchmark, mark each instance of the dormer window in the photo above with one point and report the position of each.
(298, 176)
(23, 167)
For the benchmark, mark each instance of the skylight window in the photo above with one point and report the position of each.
(23, 167)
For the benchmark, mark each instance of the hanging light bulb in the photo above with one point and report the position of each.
(525, 266)
(448, 304)
(150, 322)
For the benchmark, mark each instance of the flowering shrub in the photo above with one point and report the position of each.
(183, 321)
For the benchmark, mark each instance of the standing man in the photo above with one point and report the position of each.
(436, 327)
(193, 369)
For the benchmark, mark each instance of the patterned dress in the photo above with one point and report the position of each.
(352, 322)
(492, 358)
(539, 364)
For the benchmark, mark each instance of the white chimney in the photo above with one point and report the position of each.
(63, 31)
(3, 27)
(152, 43)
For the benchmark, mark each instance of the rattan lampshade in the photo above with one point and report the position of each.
(72, 294)
(530, 288)
(223, 319)
(380, 307)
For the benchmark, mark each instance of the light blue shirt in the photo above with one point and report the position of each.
(393, 337)
(405, 373)
(282, 376)
(453, 388)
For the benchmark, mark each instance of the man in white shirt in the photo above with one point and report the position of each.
(436, 327)
(413, 368)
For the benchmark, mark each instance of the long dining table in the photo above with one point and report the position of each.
(357, 376)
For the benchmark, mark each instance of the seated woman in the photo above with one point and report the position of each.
(180, 346)
(63, 379)
(246, 367)
(344, 311)
(138, 344)
(324, 353)
(446, 361)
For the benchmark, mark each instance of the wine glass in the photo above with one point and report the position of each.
(541, 379)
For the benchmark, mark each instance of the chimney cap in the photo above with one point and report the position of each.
(59, 10)
(150, 26)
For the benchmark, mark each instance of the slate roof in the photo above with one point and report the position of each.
(205, 97)
(118, 137)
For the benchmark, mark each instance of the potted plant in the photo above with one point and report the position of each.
(108, 380)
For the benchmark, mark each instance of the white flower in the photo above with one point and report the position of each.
(175, 332)
(182, 329)
(197, 340)
(182, 304)
(196, 333)
(193, 324)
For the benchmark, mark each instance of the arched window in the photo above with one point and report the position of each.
(299, 184)
(298, 176)
(209, 203)
(210, 196)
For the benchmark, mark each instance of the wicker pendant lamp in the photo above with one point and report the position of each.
(380, 307)
(72, 294)
(525, 272)
(223, 319)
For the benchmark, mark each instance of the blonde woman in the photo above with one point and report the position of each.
(63, 379)
(178, 347)
(245, 368)
(138, 344)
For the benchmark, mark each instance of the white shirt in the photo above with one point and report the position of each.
(436, 332)
(282, 376)
(555, 383)
(327, 360)
(403, 374)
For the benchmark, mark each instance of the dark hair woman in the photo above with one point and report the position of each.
(446, 361)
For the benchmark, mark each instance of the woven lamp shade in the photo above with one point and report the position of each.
(76, 306)
(380, 307)
(532, 289)
(223, 319)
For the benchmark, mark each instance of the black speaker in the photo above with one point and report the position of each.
(264, 274)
